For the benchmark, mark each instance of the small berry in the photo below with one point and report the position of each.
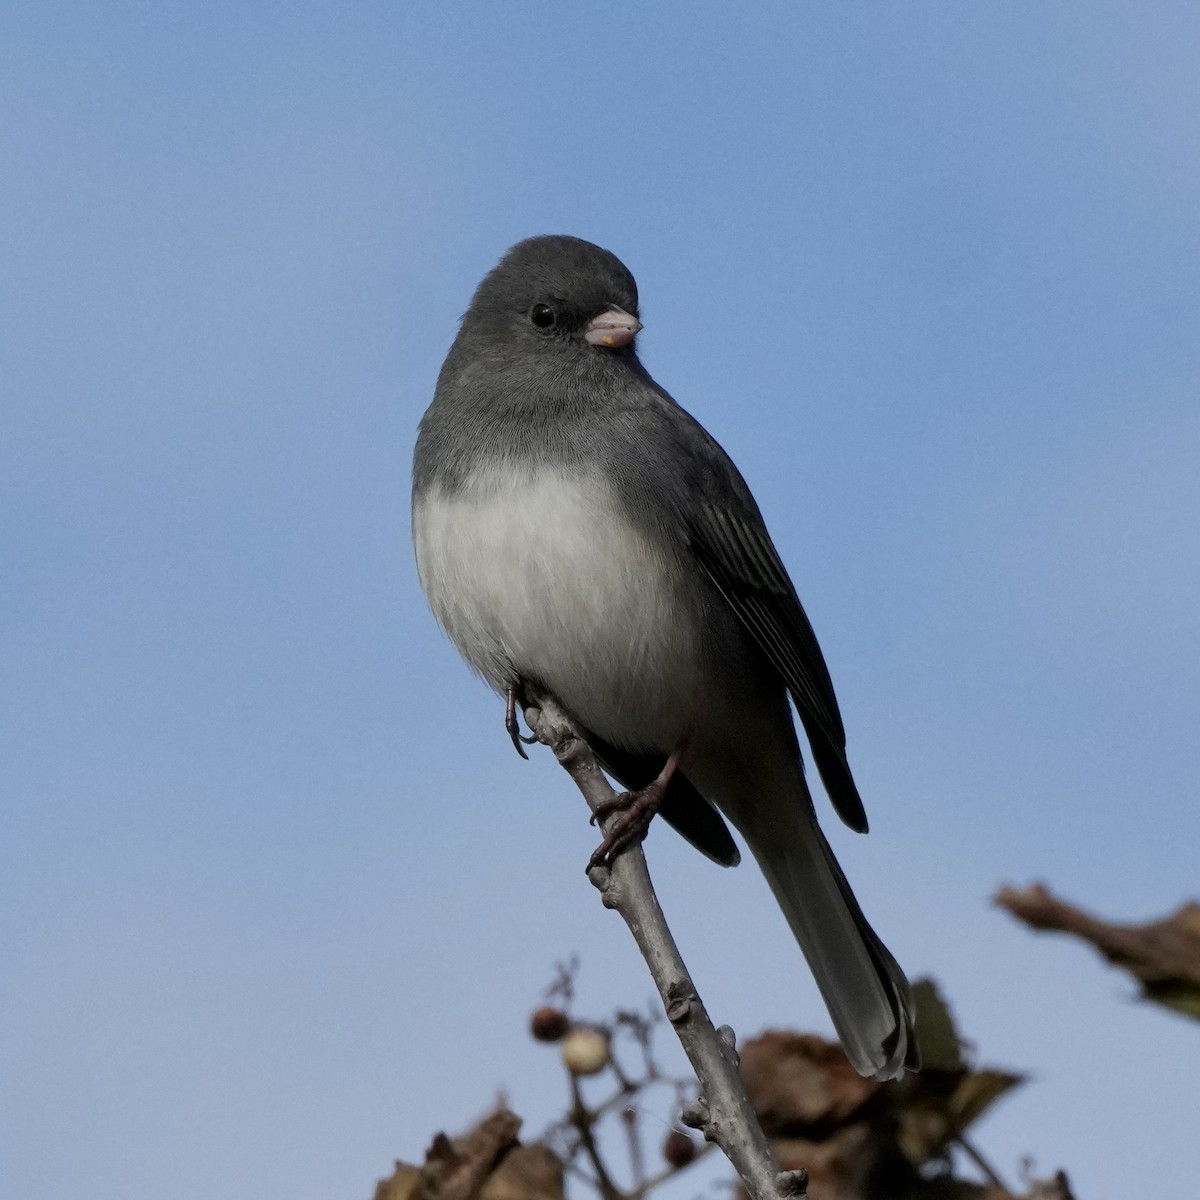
(679, 1149)
(549, 1024)
(585, 1051)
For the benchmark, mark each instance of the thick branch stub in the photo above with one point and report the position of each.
(792, 1183)
(678, 1000)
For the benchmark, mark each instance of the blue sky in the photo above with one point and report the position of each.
(275, 894)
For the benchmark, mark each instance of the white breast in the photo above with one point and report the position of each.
(539, 575)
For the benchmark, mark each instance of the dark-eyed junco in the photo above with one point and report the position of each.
(578, 533)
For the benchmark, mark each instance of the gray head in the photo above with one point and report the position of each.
(548, 336)
(554, 295)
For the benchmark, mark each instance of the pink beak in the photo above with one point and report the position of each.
(613, 328)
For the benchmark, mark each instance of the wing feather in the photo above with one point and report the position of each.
(736, 552)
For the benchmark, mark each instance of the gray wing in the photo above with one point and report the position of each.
(663, 454)
(732, 545)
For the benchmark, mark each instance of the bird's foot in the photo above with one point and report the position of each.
(637, 810)
(510, 722)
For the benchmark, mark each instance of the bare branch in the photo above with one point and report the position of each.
(724, 1113)
(988, 1171)
(583, 1122)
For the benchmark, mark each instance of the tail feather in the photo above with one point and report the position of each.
(864, 988)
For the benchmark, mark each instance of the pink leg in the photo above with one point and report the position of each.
(637, 810)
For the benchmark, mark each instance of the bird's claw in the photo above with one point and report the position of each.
(513, 727)
(624, 801)
(637, 810)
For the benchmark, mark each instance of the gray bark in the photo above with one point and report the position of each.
(723, 1112)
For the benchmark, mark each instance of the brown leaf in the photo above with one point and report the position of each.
(1058, 1188)
(941, 1047)
(402, 1185)
(977, 1092)
(456, 1170)
(526, 1173)
(1163, 955)
(837, 1167)
(923, 1128)
(485, 1163)
(800, 1082)
(931, 1108)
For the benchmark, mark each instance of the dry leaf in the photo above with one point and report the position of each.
(485, 1163)
(1164, 956)
(799, 1081)
(941, 1047)
(977, 1092)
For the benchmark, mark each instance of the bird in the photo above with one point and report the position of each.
(579, 534)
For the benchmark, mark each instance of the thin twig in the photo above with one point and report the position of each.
(982, 1163)
(669, 1173)
(637, 1160)
(623, 1079)
(583, 1121)
(723, 1112)
(618, 1098)
(580, 1174)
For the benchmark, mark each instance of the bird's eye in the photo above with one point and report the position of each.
(543, 316)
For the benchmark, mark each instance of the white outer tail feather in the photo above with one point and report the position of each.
(864, 988)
